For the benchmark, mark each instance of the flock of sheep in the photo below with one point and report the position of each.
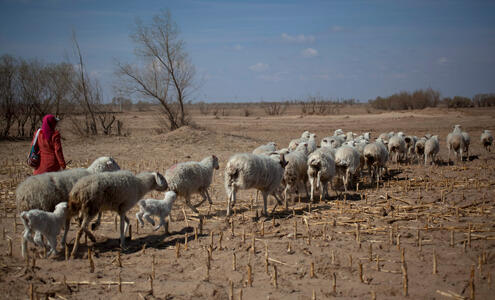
(47, 202)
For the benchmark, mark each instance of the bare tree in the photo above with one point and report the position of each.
(84, 92)
(8, 72)
(166, 73)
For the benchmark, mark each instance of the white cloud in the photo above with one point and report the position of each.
(336, 28)
(259, 67)
(309, 52)
(238, 47)
(272, 77)
(442, 60)
(298, 38)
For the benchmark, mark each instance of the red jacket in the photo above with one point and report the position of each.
(52, 157)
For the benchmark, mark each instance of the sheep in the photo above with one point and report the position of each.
(331, 142)
(267, 148)
(396, 145)
(296, 170)
(46, 190)
(376, 157)
(455, 142)
(305, 136)
(115, 191)
(312, 146)
(347, 160)
(154, 207)
(321, 168)
(44, 223)
(487, 139)
(410, 146)
(188, 178)
(431, 148)
(419, 149)
(247, 171)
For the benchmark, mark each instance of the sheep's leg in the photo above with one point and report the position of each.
(344, 179)
(257, 195)
(188, 203)
(312, 183)
(25, 238)
(285, 197)
(97, 223)
(164, 223)
(159, 224)
(148, 217)
(66, 230)
(38, 240)
(265, 199)
(208, 196)
(305, 182)
(84, 224)
(231, 199)
(202, 193)
(52, 241)
(123, 220)
(139, 216)
(126, 225)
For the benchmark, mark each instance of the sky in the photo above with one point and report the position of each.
(276, 50)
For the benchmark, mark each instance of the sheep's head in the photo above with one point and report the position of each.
(104, 164)
(215, 162)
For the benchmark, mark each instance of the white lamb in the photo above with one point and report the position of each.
(247, 171)
(154, 207)
(192, 177)
(47, 224)
(487, 139)
(115, 191)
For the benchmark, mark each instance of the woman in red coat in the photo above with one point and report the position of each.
(52, 157)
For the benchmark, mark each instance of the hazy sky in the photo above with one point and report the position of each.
(276, 50)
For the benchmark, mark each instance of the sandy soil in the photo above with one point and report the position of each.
(358, 245)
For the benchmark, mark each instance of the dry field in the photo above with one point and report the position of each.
(425, 231)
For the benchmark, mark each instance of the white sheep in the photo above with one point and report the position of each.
(321, 170)
(419, 149)
(247, 171)
(46, 190)
(312, 145)
(47, 224)
(455, 142)
(331, 142)
(347, 161)
(396, 147)
(410, 146)
(115, 191)
(487, 139)
(267, 148)
(189, 178)
(376, 157)
(432, 147)
(296, 171)
(154, 207)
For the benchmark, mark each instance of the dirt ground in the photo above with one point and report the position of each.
(429, 231)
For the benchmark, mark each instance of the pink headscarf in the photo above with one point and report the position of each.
(48, 126)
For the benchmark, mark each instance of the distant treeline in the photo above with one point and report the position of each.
(429, 98)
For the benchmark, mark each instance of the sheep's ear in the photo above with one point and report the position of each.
(283, 162)
(160, 180)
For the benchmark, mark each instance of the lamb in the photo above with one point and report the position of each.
(487, 139)
(44, 223)
(321, 168)
(247, 171)
(267, 148)
(396, 145)
(347, 160)
(410, 146)
(154, 207)
(376, 157)
(431, 148)
(115, 191)
(188, 178)
(46, 190)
